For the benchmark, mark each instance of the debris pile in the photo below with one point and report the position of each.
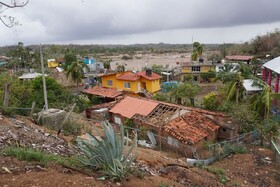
(14, 132)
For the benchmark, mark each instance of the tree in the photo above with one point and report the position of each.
(69, 58)
(262, 102)
(235, 88)
(10, 21)
(197, 51)
(107, 64)
(22, 57)
(185, 90)
(226, 74)
(76, 70)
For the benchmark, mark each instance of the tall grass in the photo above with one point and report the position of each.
(32, 155)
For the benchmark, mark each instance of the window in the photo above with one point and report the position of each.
(109, 82)
(196, 68)
(127, 84)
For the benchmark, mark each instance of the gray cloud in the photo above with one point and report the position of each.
(94, 19)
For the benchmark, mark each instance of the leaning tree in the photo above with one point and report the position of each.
(10, 21)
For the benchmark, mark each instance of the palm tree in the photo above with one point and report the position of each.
(262, 102)
(226, 74)
(76, 70)
(235, 88)
(197, 51)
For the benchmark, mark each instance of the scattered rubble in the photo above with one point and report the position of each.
(23, 134)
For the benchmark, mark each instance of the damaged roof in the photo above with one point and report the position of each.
(240, 57)
(102, 91)
(129, 106)
(190, 128)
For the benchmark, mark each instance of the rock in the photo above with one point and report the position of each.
(47, 134)
(6, 169)
(266, 161)
(18, 126)
(18, 122)
(41, 168)
(267, 158)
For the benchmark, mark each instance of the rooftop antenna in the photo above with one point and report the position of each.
(192, 44)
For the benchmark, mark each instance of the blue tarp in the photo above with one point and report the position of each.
(168, 86)
(88, 60)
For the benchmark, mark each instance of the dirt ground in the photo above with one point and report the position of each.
(139, 61)
(255, 168)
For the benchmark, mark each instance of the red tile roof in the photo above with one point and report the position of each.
(154, 76)
(129, 76)
(129, 106)
(108, 74)
(190, 128)
(102, 91)
(239, 57)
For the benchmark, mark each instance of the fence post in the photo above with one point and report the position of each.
(32, 108)
(6, 95)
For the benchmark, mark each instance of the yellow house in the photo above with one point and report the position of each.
(133, 82)
(52, 63)
(198, 71)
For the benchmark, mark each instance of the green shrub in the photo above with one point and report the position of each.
(234, 149)
(72, 128)
(107, 154)
(7, 112)
(220, 172)
(210, 101)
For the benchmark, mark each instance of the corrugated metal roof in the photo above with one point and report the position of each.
(129, 106)
(248, 85)
(30, 76)
(273, 65)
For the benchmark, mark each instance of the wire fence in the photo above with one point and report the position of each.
(222, 149)
(276, 151)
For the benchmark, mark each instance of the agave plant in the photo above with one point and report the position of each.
(107, 154)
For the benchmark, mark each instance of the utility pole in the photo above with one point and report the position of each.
(44, 80)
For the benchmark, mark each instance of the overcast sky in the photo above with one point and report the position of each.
(140, 21)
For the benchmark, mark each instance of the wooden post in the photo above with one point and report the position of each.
(6, 95)
(67, 117)
(32, 109)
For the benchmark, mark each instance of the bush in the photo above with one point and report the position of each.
(210, 101)
(72, 128)
(234, 149)
(7, 112)
(107, 154)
